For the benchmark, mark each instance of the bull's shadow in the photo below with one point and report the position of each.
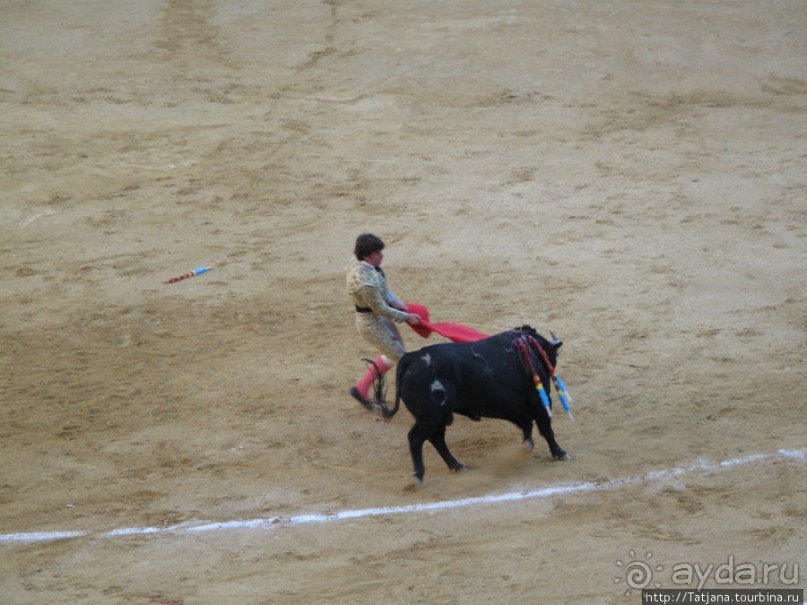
(502, 376)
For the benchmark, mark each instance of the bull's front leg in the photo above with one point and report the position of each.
(526, 428)
(544, 423)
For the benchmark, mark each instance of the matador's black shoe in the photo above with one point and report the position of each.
(354, 392)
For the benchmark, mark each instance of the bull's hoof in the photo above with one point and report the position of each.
(561, 455)
(354, 392)
(412, 487)
(459, 468)
(528, 444)
(417, 481)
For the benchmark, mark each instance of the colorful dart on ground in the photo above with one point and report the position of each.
(198, 271)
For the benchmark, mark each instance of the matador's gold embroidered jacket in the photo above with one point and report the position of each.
(368, 288)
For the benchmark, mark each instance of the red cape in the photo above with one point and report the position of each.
(452, 331)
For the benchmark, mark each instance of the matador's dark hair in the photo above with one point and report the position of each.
(366, 244)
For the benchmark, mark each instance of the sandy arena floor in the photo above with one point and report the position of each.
(628, 174)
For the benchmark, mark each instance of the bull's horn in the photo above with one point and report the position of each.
(555, 339)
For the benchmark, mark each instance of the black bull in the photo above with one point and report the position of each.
(489, 378)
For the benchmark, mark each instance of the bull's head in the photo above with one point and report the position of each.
(555, 343)
(550, 346)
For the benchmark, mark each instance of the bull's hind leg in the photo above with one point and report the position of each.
(439, 442)
(432, 430)
(416, 439)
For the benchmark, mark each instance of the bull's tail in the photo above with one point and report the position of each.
(378, 400)
(385, 411)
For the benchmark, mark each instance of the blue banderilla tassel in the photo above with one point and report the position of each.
(565, 398)
(542, 394)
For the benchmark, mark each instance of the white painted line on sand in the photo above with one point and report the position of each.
(791, 455)
(41, 536)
